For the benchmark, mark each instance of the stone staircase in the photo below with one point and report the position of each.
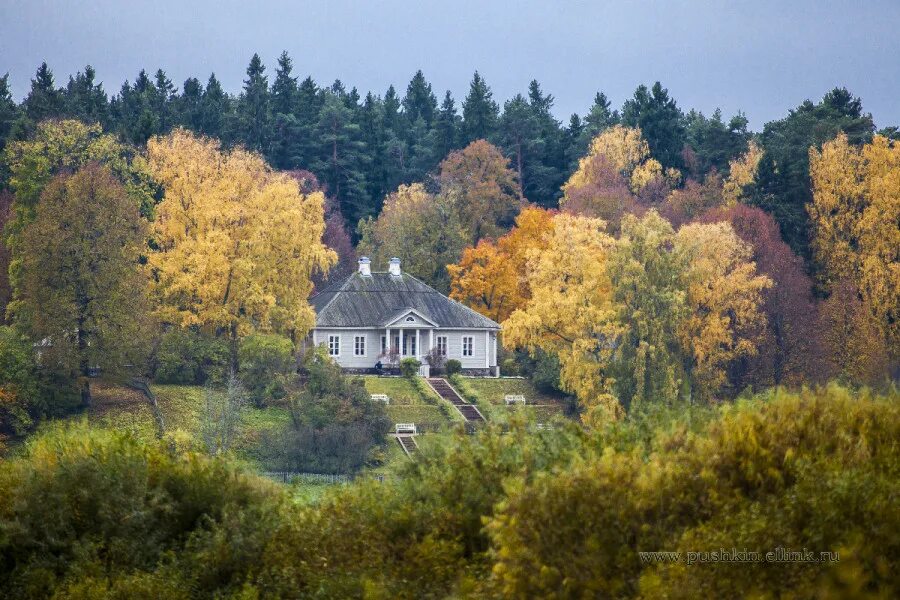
(409, 444)
(446, 391)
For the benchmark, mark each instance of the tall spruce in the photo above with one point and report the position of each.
(44, 100)
(480, 112)
(544, 174)
(598, 119)
(254, 111)
(214, 109)
(447, 130)
(420, 100)
(342, 156)
(189, 105)
(164, 100)
(308, 104)
(9, 113)
(85, 100)
(284, 101)
(660, 121)
(520, 136)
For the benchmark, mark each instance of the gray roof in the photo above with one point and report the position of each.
(377, 300)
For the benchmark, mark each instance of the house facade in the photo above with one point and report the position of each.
(378, 318)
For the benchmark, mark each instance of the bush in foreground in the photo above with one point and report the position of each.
(519, 514)
(92, 513)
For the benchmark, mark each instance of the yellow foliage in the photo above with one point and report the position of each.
(236, 244)
(855, 213)
(644, 173)
(570, 312)
(628, 317)
(723, 294)
(741, 172)
(625, 149)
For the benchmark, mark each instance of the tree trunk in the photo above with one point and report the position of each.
(234, 348)
(86, 397)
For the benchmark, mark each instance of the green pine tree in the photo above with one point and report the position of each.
(254, 110)
(9, 114)
(480, 112)
(419, 100)
(215, 109)
(189, 105)
(85, 100)
(341, 162)
(660, 121)
(44, 100)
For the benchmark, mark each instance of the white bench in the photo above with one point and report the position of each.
(381, 398)
(514, 399)
(409, 428)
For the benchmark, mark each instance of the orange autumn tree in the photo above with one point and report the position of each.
(492, 277)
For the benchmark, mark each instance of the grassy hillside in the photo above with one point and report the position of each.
(489, 394)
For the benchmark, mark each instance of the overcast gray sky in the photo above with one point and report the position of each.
(759, 56)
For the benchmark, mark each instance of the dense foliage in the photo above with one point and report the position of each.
(334, 425)
(524, 514)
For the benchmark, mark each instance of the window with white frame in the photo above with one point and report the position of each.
(359, 345)
(384, 344)
(334, 345)
(468, 345)
(412, 345)
(442, 345)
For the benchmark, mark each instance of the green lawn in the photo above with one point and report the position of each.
(491, 394)
(181, 406)
(121, 408)
(408, 406)
(493, 390)
(399, 389)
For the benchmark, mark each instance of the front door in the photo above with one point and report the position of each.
(408, 344)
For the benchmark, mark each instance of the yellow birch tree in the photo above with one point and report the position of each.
(235, 244)
(571, 313)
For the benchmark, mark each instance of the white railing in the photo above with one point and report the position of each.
(381, 398)
(514, 399)
(407, 428)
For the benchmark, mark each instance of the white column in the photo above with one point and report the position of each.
(487, 349)
(496, 342)
(430, 339)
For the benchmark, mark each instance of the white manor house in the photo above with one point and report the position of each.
(371, 318)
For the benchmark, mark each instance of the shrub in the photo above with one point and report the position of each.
(334, 423)
(510, 367)
(815, 470)
(409, 367)
(20, 395)
(435, 358)
(265, 360)
(87, 510)
(453, 367)
(188, 357)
